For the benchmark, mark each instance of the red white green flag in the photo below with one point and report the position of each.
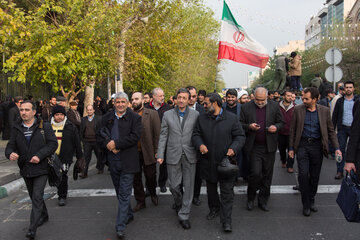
(236, 45)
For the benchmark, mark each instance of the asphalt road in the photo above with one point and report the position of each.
(91, 211)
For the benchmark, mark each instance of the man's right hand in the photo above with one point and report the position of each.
(14, 156)
(254, 126)
(203, 149)
(160, 160)
(291, 154)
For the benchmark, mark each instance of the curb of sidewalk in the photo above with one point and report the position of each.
(14, 186)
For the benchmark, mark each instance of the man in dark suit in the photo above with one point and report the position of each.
(147, 147)
(90, 125)
(352, 156)
(310, 129)
(261, 120)
(198, 107)
(119, 135)
(73, 115)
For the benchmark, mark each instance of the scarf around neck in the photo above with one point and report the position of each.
(58, 124)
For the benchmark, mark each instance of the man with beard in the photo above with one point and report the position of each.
(261, 120)
(311, 127)
(161, 107)
(231, 103)
(287, 110)
(342, 119)
(175, 136)
(218, 134)
(277, 96)
(147, 148)
(147, 97)
(243, 97)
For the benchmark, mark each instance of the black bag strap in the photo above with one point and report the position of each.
(41, 127)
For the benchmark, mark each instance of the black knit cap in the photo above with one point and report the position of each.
(58, 109)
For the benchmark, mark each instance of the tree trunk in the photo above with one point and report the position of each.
(109, 86)
(119, 80)
(89, 95)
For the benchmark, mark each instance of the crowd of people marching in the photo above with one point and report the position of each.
(195, 137)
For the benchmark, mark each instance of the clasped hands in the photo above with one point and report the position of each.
(256, 127)
(111, 147)
(14, 156)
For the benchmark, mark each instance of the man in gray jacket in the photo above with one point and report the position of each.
(175, 135)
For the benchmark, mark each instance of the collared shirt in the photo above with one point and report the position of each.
(311, 125)
(91, 118)
(221, 112)
(347, 117)
(193, 106)
(117, 116)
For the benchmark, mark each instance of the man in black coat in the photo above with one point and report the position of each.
(217, 134)
(261, 120)
(30, 148)
(90, 125)
(119, 135)
(68, 144)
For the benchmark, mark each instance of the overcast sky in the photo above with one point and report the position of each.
(271, 23)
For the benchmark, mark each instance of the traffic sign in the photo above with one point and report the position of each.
(333, 56)
(333, 74)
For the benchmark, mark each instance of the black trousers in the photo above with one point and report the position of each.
(163, 175)
(88, 148)
(63, 187)
(309, 157)
(261, 172)
(198, 181)
(283, 143)
(150, 179)
(224, 203)
(35, 187)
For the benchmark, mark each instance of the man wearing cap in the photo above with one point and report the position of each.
(60, 100)
(243, 97)
(119, 135)
(73, 115)
(68, 142)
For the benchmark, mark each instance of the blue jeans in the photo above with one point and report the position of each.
(343, 136)
(295, 82)
(123, 183)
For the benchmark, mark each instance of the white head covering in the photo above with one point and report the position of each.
(241, 93)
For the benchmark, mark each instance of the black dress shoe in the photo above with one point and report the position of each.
(130, 219)
(212, 215)
(120, 235)
(62, 202)
(250, 205)
(306, 212)
(185, 224)
(163, 189)
(43, 220)
(196, 201)
(264, 207)
(155, 200)
(227, 227)
(30, 234)
(313, 208)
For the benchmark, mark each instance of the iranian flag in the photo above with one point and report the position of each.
(236, 45)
